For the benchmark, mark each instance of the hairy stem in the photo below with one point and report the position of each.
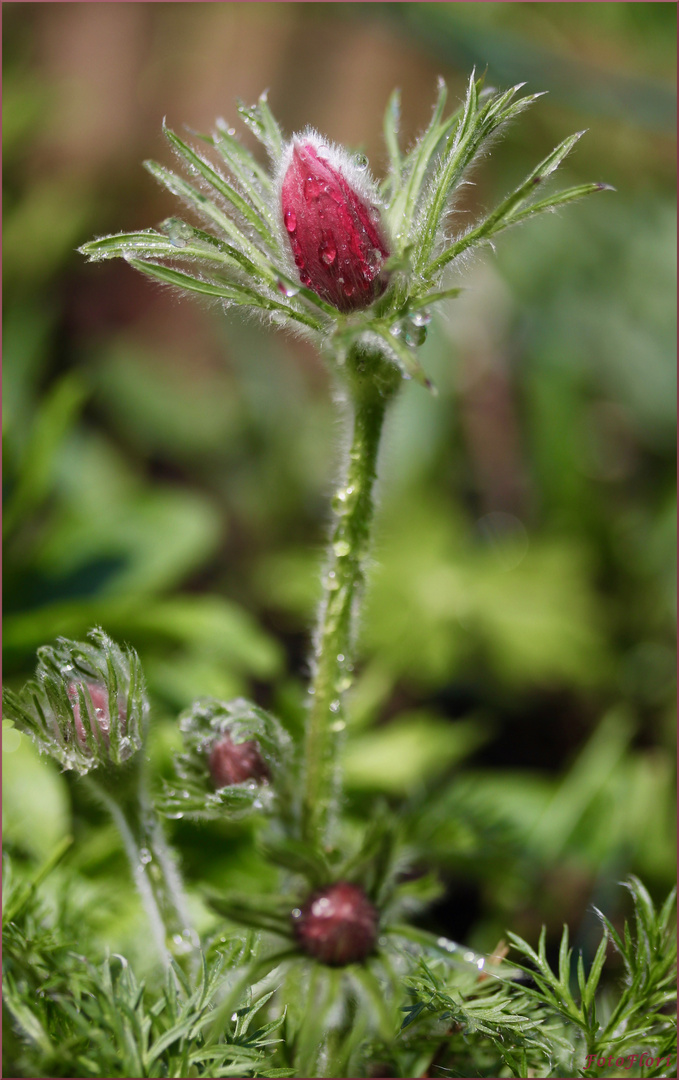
(153, 867)
(342, 589)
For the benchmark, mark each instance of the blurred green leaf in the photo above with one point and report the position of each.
(408, 751)
(36, 810)
(57, 415)
(600, 757)
(440, 598)
(42, 229)
(207, 624)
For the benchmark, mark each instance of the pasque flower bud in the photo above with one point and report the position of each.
(336, 236)
(66, 708)
(337, 924)
(98, 695)
(234, 763)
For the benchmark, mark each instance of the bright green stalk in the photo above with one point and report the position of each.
(353, 508)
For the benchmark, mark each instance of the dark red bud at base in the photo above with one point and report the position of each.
(234, 763)
(335, 235)
(337, 925)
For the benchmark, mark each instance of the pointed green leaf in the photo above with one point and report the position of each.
(595, 974)
(483, 232)
(416, 163)
(564, 958)
(582, 982)
(237, 294)
(476, 125)
(234, 153)
(198, 164)
(433, 298)
(273, 135)
(262, 124)
(405, 359)
(560, 199)
(208, 209)
(150, 243)
(392, 120)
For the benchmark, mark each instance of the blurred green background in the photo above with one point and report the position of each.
(168, 467)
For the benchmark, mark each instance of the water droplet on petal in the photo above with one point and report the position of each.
(361, 162)
(327, 252)
(312, 188)
(290, 219)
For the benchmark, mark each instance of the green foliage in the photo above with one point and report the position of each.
(146, 479)
(547, 1027)
(73, 1017)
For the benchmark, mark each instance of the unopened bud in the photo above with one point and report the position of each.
(98, 695)
(336, 236)
(337, 925)
(66, 708)
(234, 763)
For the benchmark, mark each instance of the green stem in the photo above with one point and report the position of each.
(153, 867)
(342, 588)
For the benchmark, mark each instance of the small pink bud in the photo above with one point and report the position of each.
(99, 696)
(336, 237)
(337, 925)
(234, 763)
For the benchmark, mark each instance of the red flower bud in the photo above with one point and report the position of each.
(337, 925)
(99, 696)
(335, 234)
(234, 763)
